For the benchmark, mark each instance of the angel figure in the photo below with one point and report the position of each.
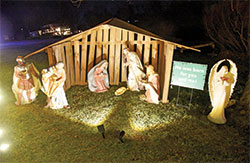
(135, 69)
(26, 83)
(222, 80)
(98, 80)
(151, 85)
(53, 81)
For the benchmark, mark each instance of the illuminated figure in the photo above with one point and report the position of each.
(222, 80)
(98, 80)
(26, 83)
(53, 81)
(152, 85)
(135, 68)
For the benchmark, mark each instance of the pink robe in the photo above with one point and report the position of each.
(99, 80)
(153, 90)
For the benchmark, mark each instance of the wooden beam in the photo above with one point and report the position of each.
(168, 66)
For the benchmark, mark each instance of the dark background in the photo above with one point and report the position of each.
(180, 21)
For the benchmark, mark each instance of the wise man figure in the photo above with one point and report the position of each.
(135, 68)
(26, 83)
(53, 82)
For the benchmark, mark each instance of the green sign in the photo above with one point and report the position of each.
(190, 75)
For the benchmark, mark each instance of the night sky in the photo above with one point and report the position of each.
(174, 20)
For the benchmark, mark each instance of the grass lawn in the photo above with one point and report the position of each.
(153, 133)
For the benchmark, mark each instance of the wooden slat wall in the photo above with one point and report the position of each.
(109, 43)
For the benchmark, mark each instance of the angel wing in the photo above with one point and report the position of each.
(213, 78)
(233, 70)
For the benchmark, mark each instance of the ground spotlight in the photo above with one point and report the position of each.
(122, 133)
(101, 130)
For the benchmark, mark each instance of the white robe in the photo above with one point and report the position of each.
(135, 72)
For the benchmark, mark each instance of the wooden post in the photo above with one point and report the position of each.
(99, 46)
(77, 62)
(56, 53)
(117, 55)
(139, 46)
(105, 43)
(168, 52)
(154, 55)
(64, 60)
(124, 45)
(84, 59)
(161, 66)
(131, 40)
(92, 50)
(111, 56)
(146, 50)
(70, 64)
(51, 57)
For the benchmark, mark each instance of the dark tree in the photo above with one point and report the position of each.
(227, 24)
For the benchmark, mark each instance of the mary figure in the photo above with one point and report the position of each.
(98, 80)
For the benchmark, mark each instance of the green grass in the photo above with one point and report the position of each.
(154, 133)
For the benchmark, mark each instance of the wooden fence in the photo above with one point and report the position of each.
(81, 54)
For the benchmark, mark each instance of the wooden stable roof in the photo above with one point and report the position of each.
(115, 22)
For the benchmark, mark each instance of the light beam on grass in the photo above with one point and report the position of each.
(144, 118)
(1, 132)
(4, 147)
(94, 116)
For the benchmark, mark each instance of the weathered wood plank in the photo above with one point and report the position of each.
(139, 46)
(51, 57)
(92, 50)
(56, 53)
(131, 41)
(147, 50)
(118, 33)
(67, 50)
(161, 66)
(99, 46)
(70, 63)
(77, 62)
(84, 59)
(168, 66)
(111, 56)
(66, 84)
(124, 45)
(105, 43)
(155, 55)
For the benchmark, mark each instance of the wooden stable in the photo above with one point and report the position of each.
(82, 51)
